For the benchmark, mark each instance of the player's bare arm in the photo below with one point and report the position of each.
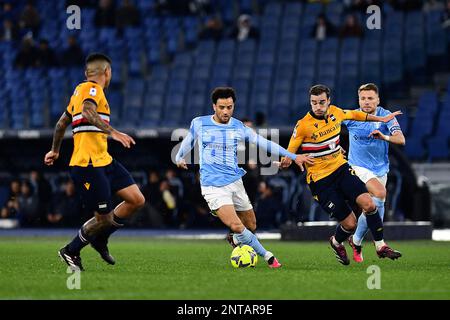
(58, 136)
(93, 117)
(387, 118)
(396, 138)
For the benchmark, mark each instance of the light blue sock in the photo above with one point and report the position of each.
(248, 238)
(362, 227)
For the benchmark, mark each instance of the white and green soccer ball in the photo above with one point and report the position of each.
(243, 257)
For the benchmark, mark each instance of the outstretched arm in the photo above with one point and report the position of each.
(277, 149)
(267, 145)
(58, 136)
(186, 145)
(387, 118)
(363, 116)
(90, 113)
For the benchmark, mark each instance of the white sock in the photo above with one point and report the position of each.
(379, 244)
(336, 243)
(235, 239)
(268, 255)
(357, 243)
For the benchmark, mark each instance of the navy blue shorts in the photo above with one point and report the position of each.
(97, 185)
(335, 192)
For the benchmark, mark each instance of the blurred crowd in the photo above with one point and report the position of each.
(171, 201)
(23, 24)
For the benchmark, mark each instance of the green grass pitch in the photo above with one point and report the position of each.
(150, 268)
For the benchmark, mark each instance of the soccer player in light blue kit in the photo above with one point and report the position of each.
(218, 136)
(368, 156)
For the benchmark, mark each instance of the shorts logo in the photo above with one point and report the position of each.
(352, 171)
(330, 205)
(102, 206)
(87, 185)
(316, 198)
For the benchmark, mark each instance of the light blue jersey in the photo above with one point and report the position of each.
(218, 145)
(368, 152)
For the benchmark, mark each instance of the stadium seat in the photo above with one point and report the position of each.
(414, 148)
(438, 148)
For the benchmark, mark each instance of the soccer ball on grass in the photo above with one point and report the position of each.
(243, 257)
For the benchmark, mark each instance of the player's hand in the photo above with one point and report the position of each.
(285, 163)
(391, 116)
(182, 164)
(377, 135)
(51, 157)
(303, 158)
(123, 138)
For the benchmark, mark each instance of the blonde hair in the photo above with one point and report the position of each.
(368, 87)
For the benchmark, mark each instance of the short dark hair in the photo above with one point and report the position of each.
(368, 87)
(223, 93)
(98, 57)
(318, 89)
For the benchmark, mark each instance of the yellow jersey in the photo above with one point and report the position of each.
(90, 143)
(320, 137)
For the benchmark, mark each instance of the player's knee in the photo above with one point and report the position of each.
(237, 227)
(349, 225)
(380, 193)
(366, 203)
(138, 201)
(369, 206)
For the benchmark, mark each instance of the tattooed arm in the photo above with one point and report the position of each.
(90, 114)
(58, 136)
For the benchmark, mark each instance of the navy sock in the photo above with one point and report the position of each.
(341, 234)
(78, 243)
(375, 225)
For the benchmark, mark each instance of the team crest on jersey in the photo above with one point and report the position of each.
(93, 92)
(332, 117)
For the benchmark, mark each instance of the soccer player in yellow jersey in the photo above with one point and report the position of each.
(331, 180)
(97, 176)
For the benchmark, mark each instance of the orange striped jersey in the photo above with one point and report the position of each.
(90, 143)
(320, 137)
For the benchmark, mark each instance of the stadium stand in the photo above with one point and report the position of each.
(164, 72)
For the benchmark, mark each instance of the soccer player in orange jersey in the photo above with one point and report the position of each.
(331, 180)
(97, 176)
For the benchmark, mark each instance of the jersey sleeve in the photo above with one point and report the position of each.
(188, 142)
(392, 125)
(354, 115)
(252, 137)
(69, 109)
(296, 138)
(91, 92)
